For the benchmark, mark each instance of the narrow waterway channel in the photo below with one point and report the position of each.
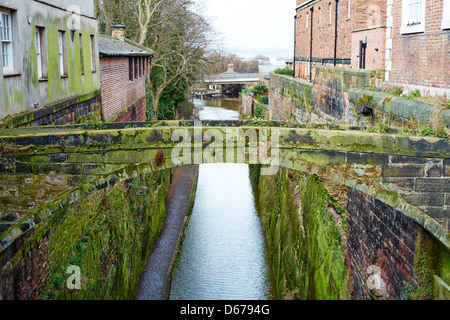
(224, 255)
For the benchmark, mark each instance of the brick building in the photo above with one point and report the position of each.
(124, 66)
(345, 33)
(418, 46)
(49, 65)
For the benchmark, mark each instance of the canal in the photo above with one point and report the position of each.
(224, 255)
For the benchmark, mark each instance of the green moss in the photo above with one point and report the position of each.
(6, 98)
(425, 262)
(305, 243)
(109, 236)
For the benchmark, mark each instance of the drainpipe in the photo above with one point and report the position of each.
(311, 46)
(295, 41)
(336, 32)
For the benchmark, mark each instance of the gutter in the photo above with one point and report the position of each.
(336, 32)
(295, 42)
(140, 54)
(304, 4)
(311, 45)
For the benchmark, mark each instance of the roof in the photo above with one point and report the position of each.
(113, 47)
(232, 77)
(266, 70)
(304, 4)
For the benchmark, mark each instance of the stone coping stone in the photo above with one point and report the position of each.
(399, 106)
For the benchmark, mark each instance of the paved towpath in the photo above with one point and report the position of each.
(154, 283)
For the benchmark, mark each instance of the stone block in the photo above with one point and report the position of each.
(425, 199)
(446, 167)
(441, 185)
(410, 160)
(402, 185)
(434, 170)
(368, 159)
(403, 171)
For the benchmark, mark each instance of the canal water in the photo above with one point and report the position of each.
(224, 255)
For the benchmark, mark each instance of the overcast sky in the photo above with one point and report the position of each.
(253, 25)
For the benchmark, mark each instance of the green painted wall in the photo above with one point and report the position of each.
(22, 91)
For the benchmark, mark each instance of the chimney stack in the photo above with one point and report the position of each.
(118, 31)
(230, 68)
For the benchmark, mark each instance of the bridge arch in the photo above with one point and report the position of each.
(371, 163)
(376, 165)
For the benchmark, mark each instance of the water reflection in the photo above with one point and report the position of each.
(224, 255)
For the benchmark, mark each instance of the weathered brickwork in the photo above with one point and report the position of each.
(134, 113)
(356, 20)
(97, 227)
(421, 59)
(379, 236)
(76, 110)
(376, 47)
(118, 92)
(327, 97)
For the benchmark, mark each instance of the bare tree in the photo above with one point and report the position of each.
(179, 44)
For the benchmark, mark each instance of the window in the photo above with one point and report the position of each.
(6, 40)
(307, 21)
(320, 17)
(413, 16)
(41, 53)
(81, 53)
(93, 63)
(62, 53)
(349, 9)
(130, 69)
(329, 22)
(446, 15)
(136, 69)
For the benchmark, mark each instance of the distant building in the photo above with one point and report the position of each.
(49, 66)
(418, 46)
(124, 66)
(230, 83)
(264, 73)
(345, 33)
(290, 64)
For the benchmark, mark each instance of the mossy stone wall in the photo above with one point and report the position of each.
(324, 238)
(107, 234)
(305, 242)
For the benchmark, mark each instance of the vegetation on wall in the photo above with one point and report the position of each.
(304, 240)
(108, 235)
(285, 71)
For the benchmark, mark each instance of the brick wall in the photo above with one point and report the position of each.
(378, 235)
(134, 113)
(328, 95)
(376, 47)
(362, 15)
(421, 59)
(76, 110)
(118, 92)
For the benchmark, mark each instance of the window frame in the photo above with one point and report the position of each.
(41, 54)
(320, 17)
(93, 52)
(8, 43)
(416, 27)
(331, 13)
(62, 53)
(349, 15)
(80, 40)
(445, 24)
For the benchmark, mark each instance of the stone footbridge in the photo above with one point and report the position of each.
(44, 169)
